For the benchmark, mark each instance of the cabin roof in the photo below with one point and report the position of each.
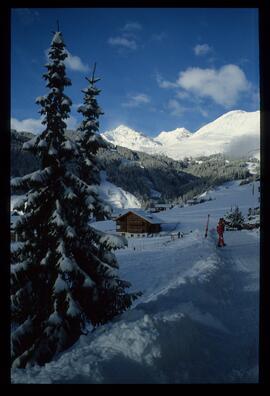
(144, 215)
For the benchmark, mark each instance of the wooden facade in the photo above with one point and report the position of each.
(135, 224)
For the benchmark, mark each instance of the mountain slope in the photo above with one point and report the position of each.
(235, 133)
(115, 196)
(145, 176)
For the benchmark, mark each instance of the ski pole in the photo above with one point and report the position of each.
(206, 228)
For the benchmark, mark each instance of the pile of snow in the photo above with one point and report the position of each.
(115, 196)
(235, 133)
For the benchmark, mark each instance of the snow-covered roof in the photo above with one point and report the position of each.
(144, 215)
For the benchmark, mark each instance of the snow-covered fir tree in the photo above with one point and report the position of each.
(234, 218)
(90, 142)
(63, 273)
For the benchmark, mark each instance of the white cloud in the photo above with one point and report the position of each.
(129, 38)
(137, 100)
(182, 95)
(72, 62)
(131, 26)
(123, 42)
(34, 125)
(164, 83)
(224, 86)
(176, 109)
(202, 49)
(243, 145)
(27, 125)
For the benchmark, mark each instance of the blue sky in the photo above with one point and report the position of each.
(160, 68)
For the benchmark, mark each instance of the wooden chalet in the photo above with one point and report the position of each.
(161, 207)
(137, 221)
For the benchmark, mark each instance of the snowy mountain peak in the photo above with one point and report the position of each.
(123, 130)
(235, 133)
(171, 137)
(134, 140)
(233, 123)
(232, 112)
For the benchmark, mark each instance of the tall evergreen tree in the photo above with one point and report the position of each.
(63, 272)
(90, 141)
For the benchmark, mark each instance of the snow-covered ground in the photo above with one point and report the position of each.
(223, 197)
(197, 320)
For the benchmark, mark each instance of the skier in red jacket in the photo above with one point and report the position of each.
(220, 231)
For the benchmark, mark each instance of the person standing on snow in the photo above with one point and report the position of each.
(220, 231)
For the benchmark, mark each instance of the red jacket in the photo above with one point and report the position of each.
(220, 228)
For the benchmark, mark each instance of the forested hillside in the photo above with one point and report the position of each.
(148, 177)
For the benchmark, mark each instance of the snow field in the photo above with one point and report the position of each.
(197, 320)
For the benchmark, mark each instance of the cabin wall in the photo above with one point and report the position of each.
(121, 224)
(132, 223)
(136, 224)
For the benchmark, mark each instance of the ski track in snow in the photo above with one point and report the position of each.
(197, 320)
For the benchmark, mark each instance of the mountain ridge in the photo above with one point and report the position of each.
(235, 133)
(232, 131)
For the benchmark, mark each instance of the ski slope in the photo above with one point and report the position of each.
(197, 320)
